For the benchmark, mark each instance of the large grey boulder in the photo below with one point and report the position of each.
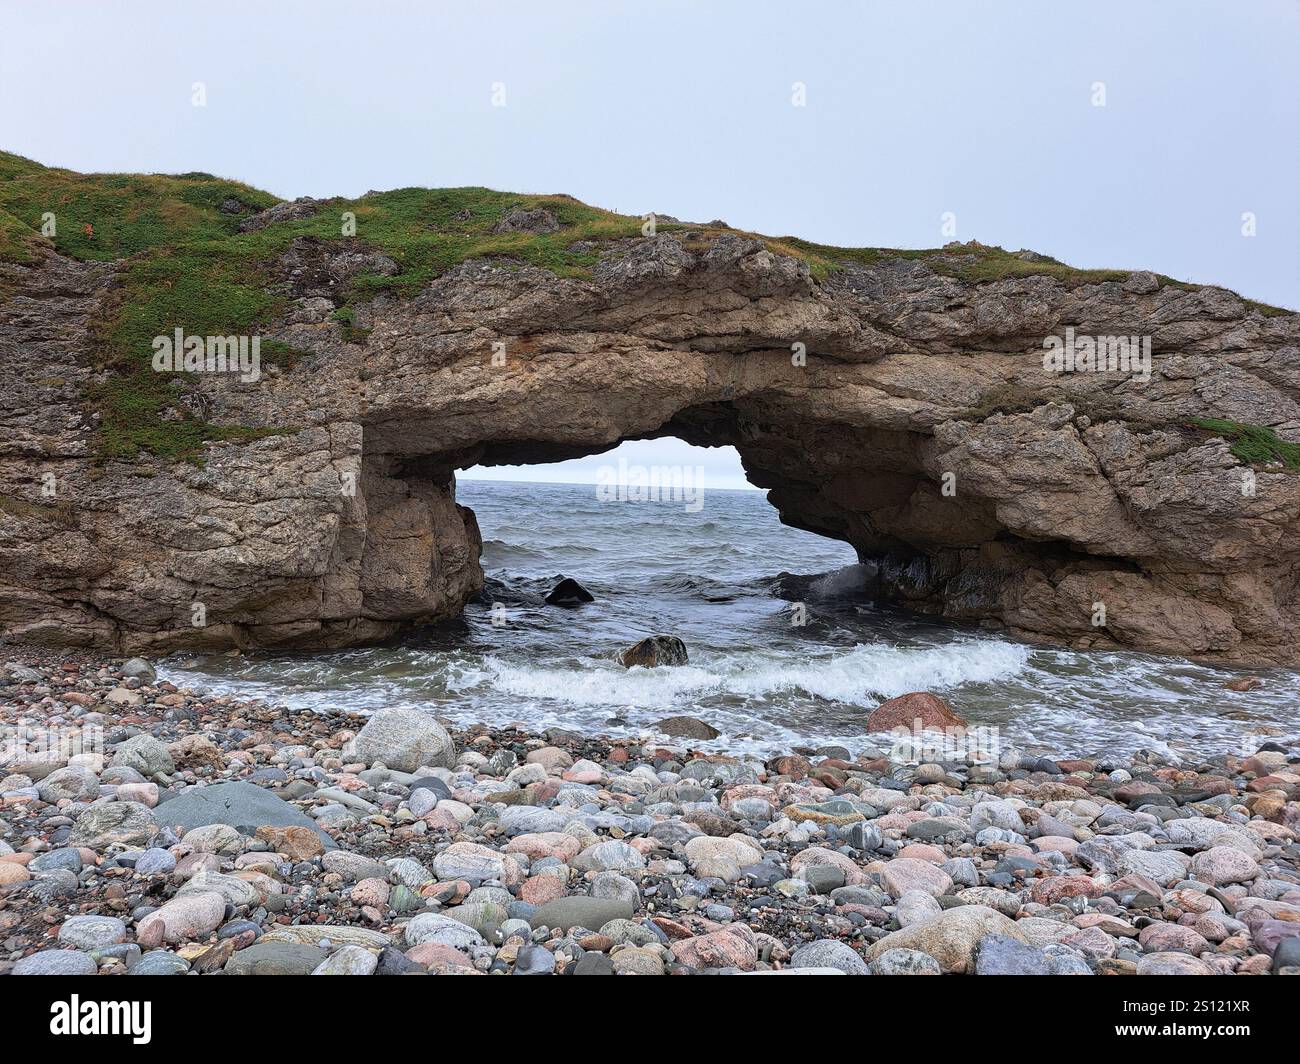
(147, 755)
(952, 938)
(76, 782)
(240, 805)
(140, 668)
(828, 953)
(107, 824)
(581, 911)
(404, 739)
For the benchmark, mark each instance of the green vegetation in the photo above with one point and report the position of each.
(110, 216)
(1266, 309)
(347, 319)
(185, 263)
(973, 263)
(1253, 444)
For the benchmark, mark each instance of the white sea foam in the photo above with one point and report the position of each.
(723, 581)
(857, 676)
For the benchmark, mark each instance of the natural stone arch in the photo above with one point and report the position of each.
(1071, 490)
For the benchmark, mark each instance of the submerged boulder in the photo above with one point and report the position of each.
(656, 650)
(568, 592)
(687, 728)
(905, 710)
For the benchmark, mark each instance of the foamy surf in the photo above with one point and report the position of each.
(861, 676)
(727, 585)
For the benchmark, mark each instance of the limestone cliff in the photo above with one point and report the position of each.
(895, 400)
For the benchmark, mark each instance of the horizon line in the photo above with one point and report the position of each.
(576, 483)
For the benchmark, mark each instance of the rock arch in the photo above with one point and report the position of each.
(1071, 490)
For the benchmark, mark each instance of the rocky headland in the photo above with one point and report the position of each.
(897, 400)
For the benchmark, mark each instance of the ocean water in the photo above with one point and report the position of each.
(728, 579)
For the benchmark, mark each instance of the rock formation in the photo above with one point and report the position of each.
(894, 402)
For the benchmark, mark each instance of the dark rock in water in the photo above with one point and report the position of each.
(241, 805)
(561, 735)
(655, 650)
(140, 668)
(905, 710)
(568, 592)
(686, 727)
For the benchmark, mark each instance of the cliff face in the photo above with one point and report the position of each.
(1090, 508)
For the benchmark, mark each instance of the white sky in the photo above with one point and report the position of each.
(914, 108)
(712, 468)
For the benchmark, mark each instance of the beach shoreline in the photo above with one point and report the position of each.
(373, 845)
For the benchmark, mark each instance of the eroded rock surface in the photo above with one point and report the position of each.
(1065, 492)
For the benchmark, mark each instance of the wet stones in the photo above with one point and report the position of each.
(657, 650)
(906, 710)
(681, 727)
(558, 853)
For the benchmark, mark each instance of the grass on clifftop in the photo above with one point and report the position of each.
(185, 263)
(1253, 444)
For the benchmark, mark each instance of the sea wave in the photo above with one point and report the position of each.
(864, 675)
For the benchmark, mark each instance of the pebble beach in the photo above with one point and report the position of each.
(193, 834)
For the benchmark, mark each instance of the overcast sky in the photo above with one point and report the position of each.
(913, 109)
